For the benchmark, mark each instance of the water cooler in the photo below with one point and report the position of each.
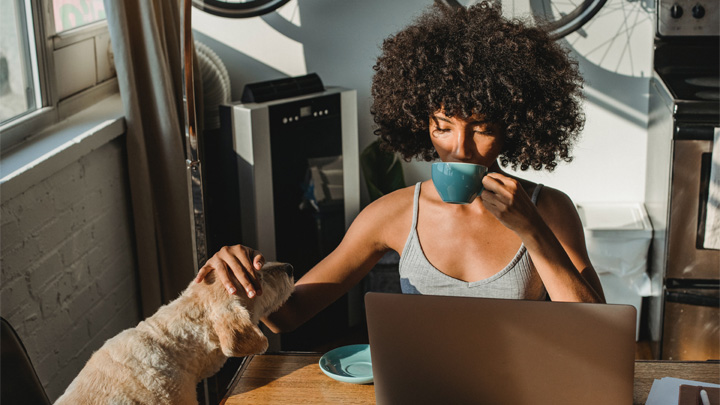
(299, 188)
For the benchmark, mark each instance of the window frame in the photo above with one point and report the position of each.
(52, 109)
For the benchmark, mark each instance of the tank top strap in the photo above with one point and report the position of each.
(535, 193)
(416, 202)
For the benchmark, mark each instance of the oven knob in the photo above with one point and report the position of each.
(676, 11)
(698, 11)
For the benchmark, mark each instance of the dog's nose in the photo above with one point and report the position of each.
(289, 269)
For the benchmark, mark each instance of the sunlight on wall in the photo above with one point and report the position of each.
(609, 161)
(251, 36)
(633, 116)
(619, 38)
(614, 51)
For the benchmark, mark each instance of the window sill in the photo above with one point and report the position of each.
(37, 158)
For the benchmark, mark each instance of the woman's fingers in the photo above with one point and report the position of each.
(494, 194)
(258, 260)
(204, 271)
(507, 200)
(243, 272)
(489, 198)
(243, 263)
(223, 275)
(235, 264)
(236, 258)
(500, 185)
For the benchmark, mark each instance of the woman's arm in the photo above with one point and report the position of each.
(551, 232)
(365, 242)
(562, 217)
(358, 252)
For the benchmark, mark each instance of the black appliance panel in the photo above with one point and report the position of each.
(303, 130)
(298, 232)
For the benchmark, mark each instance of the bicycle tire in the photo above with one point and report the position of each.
(250, 8)
(561, 27)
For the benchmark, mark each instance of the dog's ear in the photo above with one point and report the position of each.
(248, 341)
(237, 334)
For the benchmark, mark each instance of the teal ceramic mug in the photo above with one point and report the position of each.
(458, 183)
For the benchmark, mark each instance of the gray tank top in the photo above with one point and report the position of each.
(518, 280)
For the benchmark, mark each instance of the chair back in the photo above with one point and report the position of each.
(20, 384)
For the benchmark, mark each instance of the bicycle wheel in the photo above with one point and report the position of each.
(558, 17)
(238, 8)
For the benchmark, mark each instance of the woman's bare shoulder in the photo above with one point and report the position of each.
(559, 211)
(389, 217)
(392, 205)
(554, 202)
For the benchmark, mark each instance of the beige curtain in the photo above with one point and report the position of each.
(145, 38)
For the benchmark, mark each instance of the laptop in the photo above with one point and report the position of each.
(428, 349)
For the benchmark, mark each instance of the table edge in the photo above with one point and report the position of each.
(246, 363)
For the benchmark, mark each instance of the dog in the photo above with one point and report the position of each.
(162, 360)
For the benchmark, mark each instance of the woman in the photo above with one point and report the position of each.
(461, 86)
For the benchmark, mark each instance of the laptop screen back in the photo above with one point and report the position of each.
(433, 349)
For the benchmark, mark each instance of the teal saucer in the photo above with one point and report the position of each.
(350, 364)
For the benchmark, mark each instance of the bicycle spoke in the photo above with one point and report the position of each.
(608, 42)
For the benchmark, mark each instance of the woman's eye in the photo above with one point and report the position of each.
(440, 131)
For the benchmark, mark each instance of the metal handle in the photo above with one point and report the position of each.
(692, 299)
(192, 150)
(705, 167)
(188, 83)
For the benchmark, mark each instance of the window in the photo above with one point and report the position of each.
(55, 60)
(18, 76)
(71, 14)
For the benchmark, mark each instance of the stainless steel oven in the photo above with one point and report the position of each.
(684, 114)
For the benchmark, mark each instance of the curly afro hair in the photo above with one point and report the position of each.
(474, 61)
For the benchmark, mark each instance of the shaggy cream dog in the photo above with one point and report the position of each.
(162, 359)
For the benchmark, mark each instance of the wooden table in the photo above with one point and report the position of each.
(296, 378)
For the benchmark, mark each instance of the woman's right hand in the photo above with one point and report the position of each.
(237, 261)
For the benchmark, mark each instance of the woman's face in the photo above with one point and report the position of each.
(468, 140)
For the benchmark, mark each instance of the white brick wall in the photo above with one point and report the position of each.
(68, 264)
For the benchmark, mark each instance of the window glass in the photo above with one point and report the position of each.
(18, 93)
(75, 13)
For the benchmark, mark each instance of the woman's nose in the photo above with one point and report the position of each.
(462, 149)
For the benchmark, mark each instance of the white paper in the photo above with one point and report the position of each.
(666, 391)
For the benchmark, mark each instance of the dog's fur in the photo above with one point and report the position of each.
(162, 360)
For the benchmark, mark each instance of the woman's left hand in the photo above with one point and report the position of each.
(506, 198)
